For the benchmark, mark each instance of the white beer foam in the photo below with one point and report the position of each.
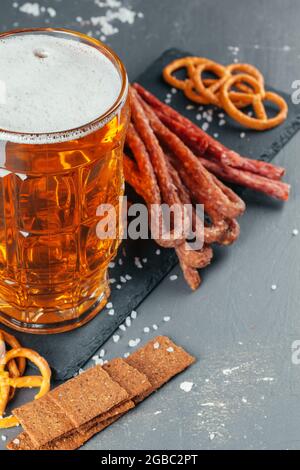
(51, 84)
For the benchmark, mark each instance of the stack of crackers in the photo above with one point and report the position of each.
(68, 416)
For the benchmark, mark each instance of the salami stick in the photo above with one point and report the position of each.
(276, 189)
(204, 143)
(209, 193)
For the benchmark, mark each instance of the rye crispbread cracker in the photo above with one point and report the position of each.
(160, 359)
(134, 382)
(88, 395)
(77, 437)
(43, 420)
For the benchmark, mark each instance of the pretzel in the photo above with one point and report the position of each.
(43, 381)
(185, 62)
(16, 368)
(257, 98)
(210, 92)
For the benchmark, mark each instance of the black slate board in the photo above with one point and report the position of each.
(68, 352)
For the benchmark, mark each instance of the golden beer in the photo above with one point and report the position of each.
(53, 265)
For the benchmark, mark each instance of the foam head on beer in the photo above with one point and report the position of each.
(53, 84)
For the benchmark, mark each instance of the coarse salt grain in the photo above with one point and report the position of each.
(173, 277)
(111, 312)
(146, 329)
(186, 386)
(189, 107)
(222, 122)
(156, 346)
(157, 412)
(102, 353)
(157, 252)
(16, 441)
(112, 280)
(167, 318)
(109, 305)
(273, 286)
(3, 438)
(122, 279)
(242, 135)
(132, 343)
(116, 338)
(170, 349)
(122, 327)
(112, 264)
(128, 277)
(155, 327)
(295, 232)
(127, 354)
(216, 135)
(128, 322)
(133, 314)
(205, 126)
(118, 286)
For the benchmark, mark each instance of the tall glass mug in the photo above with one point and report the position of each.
(63, 118)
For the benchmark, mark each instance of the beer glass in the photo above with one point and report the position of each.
(53, 265)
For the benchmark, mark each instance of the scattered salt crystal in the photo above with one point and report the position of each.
(157, 412)
(133, 314)
(134, 342)
(198, 117)
(156, 345)
(127, 354)
(140, 14)
(186, 386)
(95, 358)
(170, 349)
(102, 353)
(273, 286)
(155, 327)
(30, 9)
(173, 277)
(120, 261)
(145, 260)
(189, 107)
(111, 312)
(118, 286)
(205, 126)
(80, 371)
(167, 101)
(222, 122)
(221, 115)
(212, 436)
(244, 400)
(146, 329)
(286, 48)
(216, 135)
(112, 280)
(122, 279)
(173, 91)
(295, 232)
(138, 263)
(242, 135)
(122, 327)
(3, 438)
(51, 12)
(167, 318)
(128, 277)
(109, 305)
(157, 252)
(116, 338)
(169, 95)
(16, 441)
(112, 264)
(235, 60)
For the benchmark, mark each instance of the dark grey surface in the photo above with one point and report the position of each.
(246, 392)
